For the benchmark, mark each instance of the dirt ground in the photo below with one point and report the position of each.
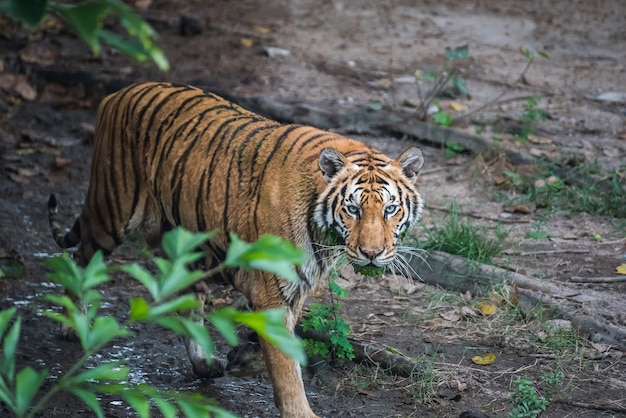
(343, 55)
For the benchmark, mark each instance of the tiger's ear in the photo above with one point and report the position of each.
(410, 162)
(330, 162)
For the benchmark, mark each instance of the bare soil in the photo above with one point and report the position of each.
(344, 55)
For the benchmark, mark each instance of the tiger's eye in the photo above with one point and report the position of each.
(352, 210)
(390, 210)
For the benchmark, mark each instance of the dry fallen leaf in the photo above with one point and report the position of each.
(467, 311)
(264, 30)
(60, 162)
(487, 308)
(451, 315)
(246, 42)
(488, 358)
(515, 296)
(457, 106)
(621, 269)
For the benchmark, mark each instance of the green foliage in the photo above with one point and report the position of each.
(325, 318)
(86, 18)
(269, 253)
(443, 118)
(581, 191)
(530, 116)
(19, 389)
(537, 232)
(369, 270)
(527, 401)
(457, 236)
(452, 148)
(446, 81)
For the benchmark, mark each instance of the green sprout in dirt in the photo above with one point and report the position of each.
(23, 392)
(457, 236)
(448, 81)
(528, 402)
(325, 318)
(530, 116)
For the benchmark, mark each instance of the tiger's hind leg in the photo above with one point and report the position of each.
(201, 365)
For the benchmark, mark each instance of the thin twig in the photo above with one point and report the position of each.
(613, 279)
(499, 96)
(487, 218)
(548, 252)
(603, 405)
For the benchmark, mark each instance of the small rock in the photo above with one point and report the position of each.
(190, 26)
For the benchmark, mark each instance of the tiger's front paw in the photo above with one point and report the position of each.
(210, 370)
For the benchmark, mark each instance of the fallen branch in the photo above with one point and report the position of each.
(459, 274)
(370, 353)
(600, 405)
(614, 279)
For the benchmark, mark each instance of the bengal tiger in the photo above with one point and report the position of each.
(168, 155)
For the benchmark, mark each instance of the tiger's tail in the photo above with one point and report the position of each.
(63, 240)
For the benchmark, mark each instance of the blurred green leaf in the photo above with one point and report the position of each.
(269, 253)
(12, 268)
(180, 304)
(113, 371)
(544, 54)
(29, 12)
(167, 409)
(89, 398)
(442, 118)
(458, 53)
(9, 347)
(96, 272)
(86, 19)
(144, 276)
(270, 325)
(27, 384)
(375, 105)
(64, 271)
(139, 309)
(138, 401)
(179, 241)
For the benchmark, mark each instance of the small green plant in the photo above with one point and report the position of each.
(423, 386)
(581, 190)
(452, 149)
(326, 319)
(447, 81)
(22, 391)
(457, 236)
(530, 116)
(86, 19)
(528, 402)
(537, 232)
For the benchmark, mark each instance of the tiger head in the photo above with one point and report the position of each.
(370, 201)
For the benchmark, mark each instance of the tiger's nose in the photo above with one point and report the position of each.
(372, 254)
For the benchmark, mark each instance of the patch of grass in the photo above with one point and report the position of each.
(528, 401)
(423, 386)
(530, 116)
(583, 191)
(457, 236)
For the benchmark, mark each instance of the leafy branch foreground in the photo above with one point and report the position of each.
(24, 392)
(86, 19)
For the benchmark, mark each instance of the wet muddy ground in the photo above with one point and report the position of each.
(343, 55)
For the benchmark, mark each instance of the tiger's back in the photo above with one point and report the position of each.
(173, 155)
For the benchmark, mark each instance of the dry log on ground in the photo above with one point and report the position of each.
(374, 354)
(459, 274)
